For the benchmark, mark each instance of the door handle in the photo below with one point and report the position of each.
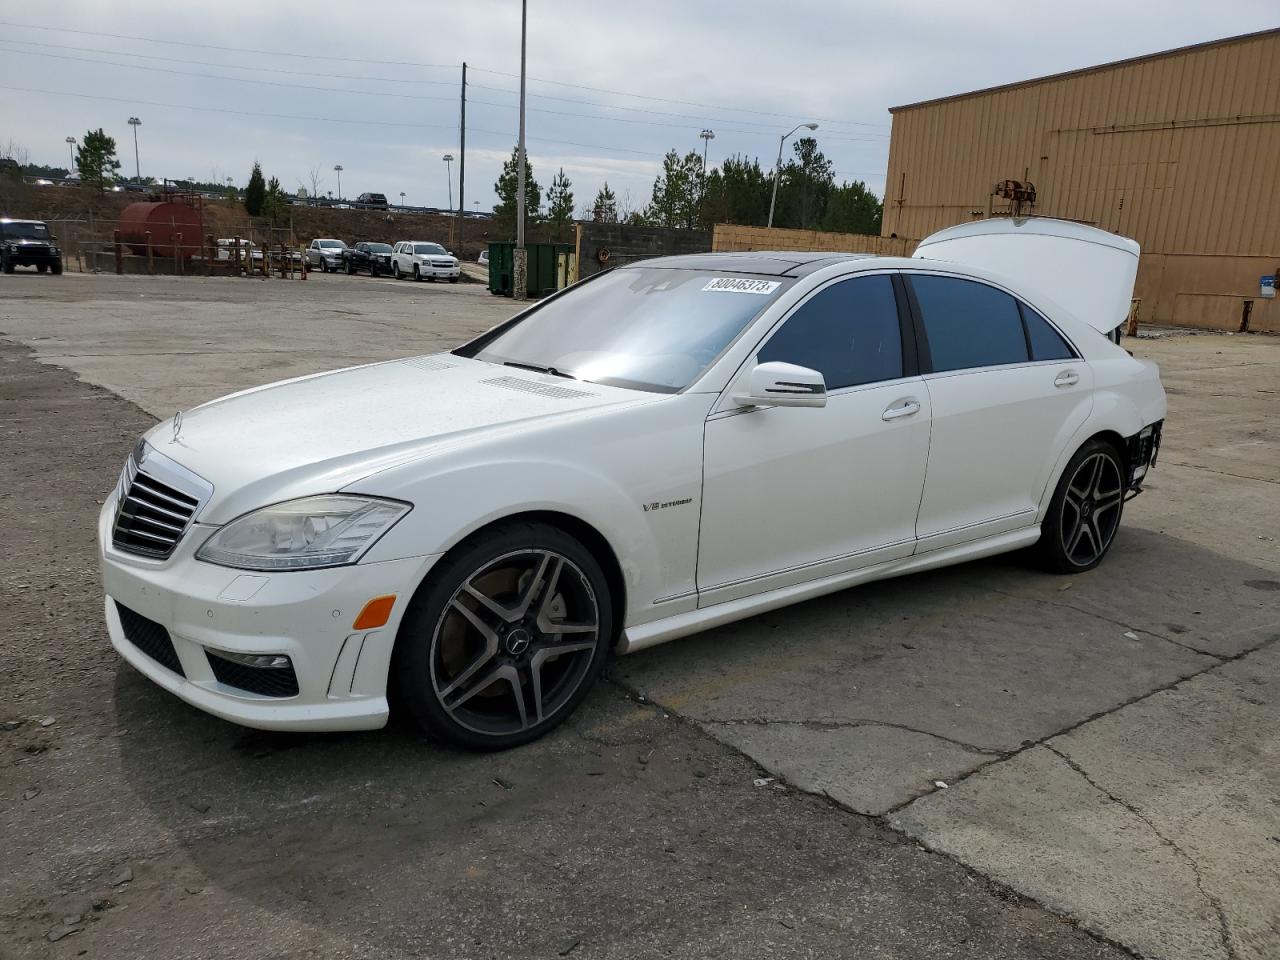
(901, 408)
(1067, 378)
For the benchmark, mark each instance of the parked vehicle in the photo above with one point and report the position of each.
(424, 261)
(374, 201)
(28, 243)
(665, 447)
(374, 258)
(483, 259)
(325, 255)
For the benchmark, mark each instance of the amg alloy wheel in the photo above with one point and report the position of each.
(506, 639)
(1084, 514)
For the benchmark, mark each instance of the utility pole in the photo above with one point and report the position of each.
(337, 168)
(71, 145)
(520, 266)
(462, 157)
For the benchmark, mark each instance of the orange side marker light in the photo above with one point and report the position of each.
(376, 613)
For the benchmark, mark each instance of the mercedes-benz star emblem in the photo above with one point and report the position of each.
(518, 641)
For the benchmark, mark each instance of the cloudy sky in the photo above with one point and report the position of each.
(612, 85)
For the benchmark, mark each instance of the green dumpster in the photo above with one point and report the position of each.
(541, 267)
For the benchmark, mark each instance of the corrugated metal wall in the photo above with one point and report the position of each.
(1179, 151)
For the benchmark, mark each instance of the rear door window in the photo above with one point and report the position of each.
(968, 324)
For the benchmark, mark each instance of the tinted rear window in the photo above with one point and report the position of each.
(1046, 342)
(969, 324)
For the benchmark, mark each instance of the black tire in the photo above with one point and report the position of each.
(6, 264)
(395, 270)
(373, 270)
(41, 267)
(1084, 514)
(351, 269)
(56, 267)
(453, 279)
(431, 279)
(530, 570)
(417, 274)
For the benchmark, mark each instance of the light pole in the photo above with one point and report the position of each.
(137, 164)
(402, 198)
(337, 168)
(519, 275)
(707, 136)
(777, 170)
(71, 146)
(448, 175)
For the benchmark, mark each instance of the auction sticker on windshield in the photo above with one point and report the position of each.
(742, 285)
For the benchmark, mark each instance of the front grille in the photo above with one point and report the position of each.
(442, 264)
(264, 681)
(152, 516)
(149, 637)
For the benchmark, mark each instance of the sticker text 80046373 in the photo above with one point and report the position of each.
(741, 285)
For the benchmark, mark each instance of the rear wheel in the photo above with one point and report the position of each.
(506, 637)
(1085, 511)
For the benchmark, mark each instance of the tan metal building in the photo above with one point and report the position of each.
(1179, 150)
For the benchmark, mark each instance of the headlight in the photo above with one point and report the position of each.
(324, 531)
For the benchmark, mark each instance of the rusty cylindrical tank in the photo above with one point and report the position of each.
(165, 221)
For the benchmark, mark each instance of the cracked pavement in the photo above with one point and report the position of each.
(1103, 745)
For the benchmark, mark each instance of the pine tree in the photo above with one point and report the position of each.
(96, 158)
(560, 205)
(504, 212)
(255, 194)
(274, 203)
(605, 207)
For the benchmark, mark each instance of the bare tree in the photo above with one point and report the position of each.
(626, 206)
(15, 151)
(317, 181)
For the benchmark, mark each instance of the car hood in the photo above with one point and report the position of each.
(326, 432)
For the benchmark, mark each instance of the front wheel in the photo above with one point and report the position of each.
(56, 267)
(417, 274)
(1085, 511)
(505, 639)
(351, 269)
(395, 270)
(453, 279)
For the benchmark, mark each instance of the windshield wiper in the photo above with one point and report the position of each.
(537, 369)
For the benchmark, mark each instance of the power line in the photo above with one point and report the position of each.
(685, 103)
(213, 46)
(400, 96)
(406, 63)
(230, 66)
(214, 76)
(289, 116)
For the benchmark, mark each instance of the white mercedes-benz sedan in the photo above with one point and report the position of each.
(663, 448)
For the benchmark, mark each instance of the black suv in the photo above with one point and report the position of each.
(365, 255)
(374, 201)
(28, 243)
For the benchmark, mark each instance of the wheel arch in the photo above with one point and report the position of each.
(586, 533)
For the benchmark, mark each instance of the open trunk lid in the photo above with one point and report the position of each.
(1089, 271)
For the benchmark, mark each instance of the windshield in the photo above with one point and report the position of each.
(648, 328)
(332, 244)
(24, 231)
(378, 247)
(429, 248)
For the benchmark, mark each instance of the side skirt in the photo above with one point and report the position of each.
(695, 621)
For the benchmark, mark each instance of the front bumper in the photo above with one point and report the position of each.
(307, 616)
(438, 273)
(21, 257)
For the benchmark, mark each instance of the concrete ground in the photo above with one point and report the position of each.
(1104, 745)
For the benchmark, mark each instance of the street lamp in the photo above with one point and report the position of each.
(448, 175)
(71, 145)
(137, 164)
(777, 170)
(707, 136)
(337, 168)
(402, 198)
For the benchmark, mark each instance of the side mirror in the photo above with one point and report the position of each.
(783, 385)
